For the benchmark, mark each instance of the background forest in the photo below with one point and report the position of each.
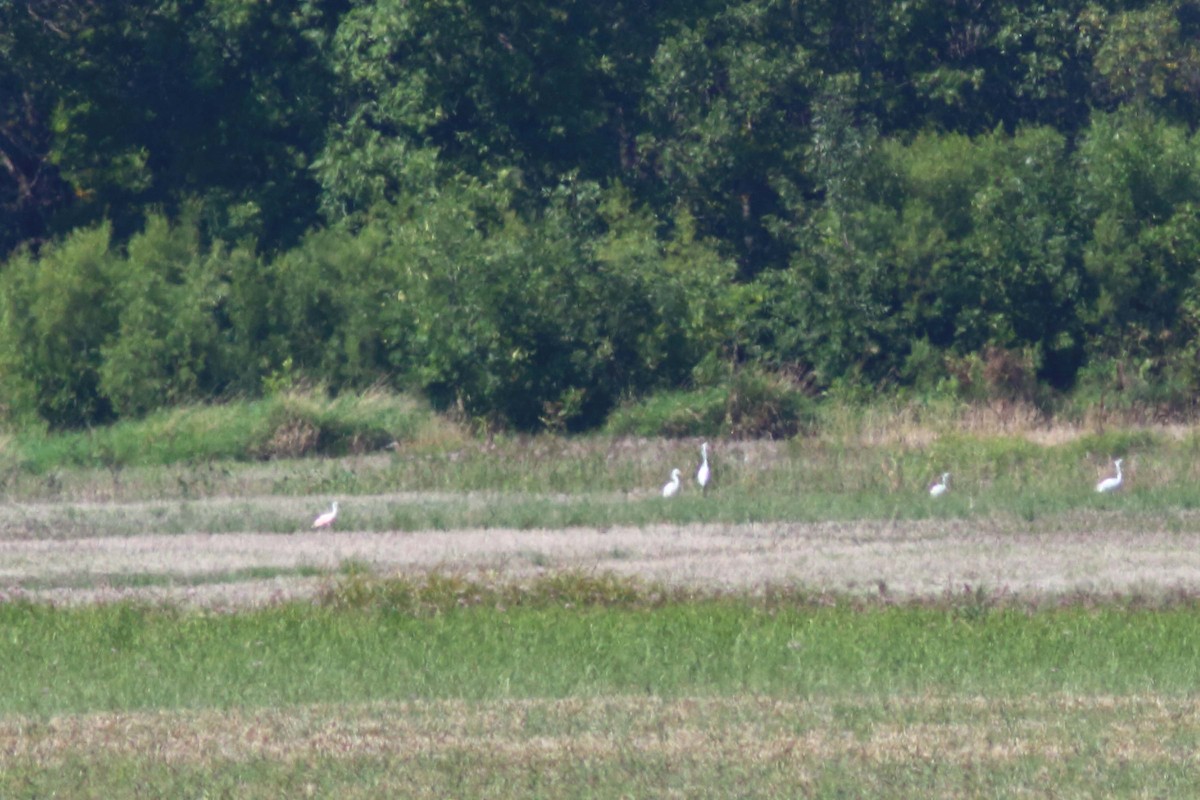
(534, 210)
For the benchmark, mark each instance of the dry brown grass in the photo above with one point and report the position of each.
(1090, 553)
(743, 729)
(85, 535)
(918, 425)
(914, 426)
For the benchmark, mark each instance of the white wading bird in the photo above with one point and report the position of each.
(704, 473)
(326, 519)
(938, 489)
(672, 487)
(1111, 484)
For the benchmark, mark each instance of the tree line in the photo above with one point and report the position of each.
(534, 210)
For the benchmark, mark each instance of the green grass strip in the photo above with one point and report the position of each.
(132, 657)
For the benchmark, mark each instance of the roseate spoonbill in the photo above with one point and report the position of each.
(672, 487)
(704, 473)
(1111, 484)
(326, 519)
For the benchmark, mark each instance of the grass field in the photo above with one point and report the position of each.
(644, 695)
(527, 617)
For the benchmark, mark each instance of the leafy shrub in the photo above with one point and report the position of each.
(167, 348)
(1141, 198)
(324, 308)
(950, 245)
(550, 318)
(765, 405)
(56, 317)
(90, 332)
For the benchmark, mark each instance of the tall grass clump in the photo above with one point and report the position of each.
(439, 592)
(751, 404)
(303, 423)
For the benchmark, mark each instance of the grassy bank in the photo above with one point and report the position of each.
(557, 482)
(903, 443)
(290, 424)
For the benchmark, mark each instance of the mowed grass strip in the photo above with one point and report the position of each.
(742, 745)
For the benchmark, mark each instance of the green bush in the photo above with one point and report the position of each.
(56, 315)
(90, 332)
(547, 320)
(1141, 198)
(302, 423)
(325, 307)
(167, 348)
(698, 412)
(948, 245)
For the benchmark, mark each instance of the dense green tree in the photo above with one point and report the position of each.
(439, 88)
(1149, 57)
(957, 242)
(31, 188)
(531, 210)
(729, 103)
(972, 66)
(1141, 198)
(154, 103)
(754, 107)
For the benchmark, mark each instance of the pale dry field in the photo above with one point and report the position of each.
(949, 746)
(898, 728)
(82, 552)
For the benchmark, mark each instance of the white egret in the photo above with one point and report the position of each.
(326, 519)
(938, 489)
(704, 473)
(672, 487)
(1111, 484)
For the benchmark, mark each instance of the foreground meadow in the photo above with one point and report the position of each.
(528, 617)
(599, 689)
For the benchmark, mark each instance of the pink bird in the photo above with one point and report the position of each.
(326, 519)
